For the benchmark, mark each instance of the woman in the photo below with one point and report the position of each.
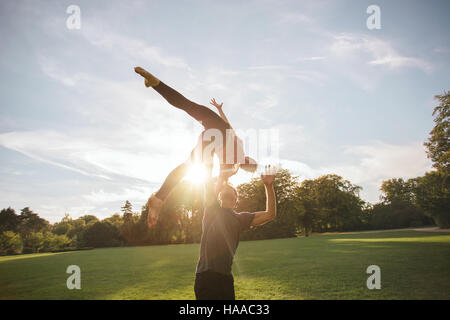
(210, 121)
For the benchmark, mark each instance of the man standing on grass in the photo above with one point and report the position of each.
(221, 227)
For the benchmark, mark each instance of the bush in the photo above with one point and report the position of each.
(53, 242)
(10, 243)
(33, 242)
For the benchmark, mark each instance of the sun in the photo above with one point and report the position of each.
(196, 174)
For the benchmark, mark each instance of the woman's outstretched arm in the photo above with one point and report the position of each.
(219, 108)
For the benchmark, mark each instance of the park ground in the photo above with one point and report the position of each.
(414, 263)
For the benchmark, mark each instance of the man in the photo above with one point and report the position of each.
(221, 227)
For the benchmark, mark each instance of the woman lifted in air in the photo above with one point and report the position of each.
(215, 126)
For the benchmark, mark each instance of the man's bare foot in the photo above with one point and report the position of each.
(150, 80)
(154, 205)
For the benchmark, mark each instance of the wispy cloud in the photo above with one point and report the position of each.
(101, 196)
(379, 52)
(293, 18)
(287, 70)
(315, 58)
(135, 49)
(370, 165)
(378, 161)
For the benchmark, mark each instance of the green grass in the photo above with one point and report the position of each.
(414, 265)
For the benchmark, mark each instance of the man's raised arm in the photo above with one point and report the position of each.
(270, 213)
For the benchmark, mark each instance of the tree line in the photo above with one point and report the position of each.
(325, 204)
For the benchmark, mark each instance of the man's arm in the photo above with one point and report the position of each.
(270, 213)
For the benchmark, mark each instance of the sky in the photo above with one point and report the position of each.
(80, 133)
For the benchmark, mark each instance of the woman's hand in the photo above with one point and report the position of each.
(215, 104)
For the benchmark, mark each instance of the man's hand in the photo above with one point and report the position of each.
(262, 217)
(215, 104)
(268, 175)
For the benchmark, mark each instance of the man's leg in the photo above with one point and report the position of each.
(228, 288)
(213, 286)
(208, 118)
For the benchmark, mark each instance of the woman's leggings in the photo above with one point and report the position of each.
(208, 118)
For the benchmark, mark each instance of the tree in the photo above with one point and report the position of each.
(399, 206)
(432, 190)
(128, 225)
(127, 210)
(31, 222)
(63, 227)
(306, 206)
(102, 234)
(116, 220)
(439, 141)
(9, 220)
(433, 196)
(328, 203)
(252, 198)
(398, 214)
(89, 219)
(395, 190)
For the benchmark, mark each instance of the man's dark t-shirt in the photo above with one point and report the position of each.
(220, 234)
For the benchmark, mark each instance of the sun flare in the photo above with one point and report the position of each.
(196, 174)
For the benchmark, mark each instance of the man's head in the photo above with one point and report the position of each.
(228, 196)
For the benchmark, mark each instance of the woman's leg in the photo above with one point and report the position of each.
(156, 201)
(208, 118)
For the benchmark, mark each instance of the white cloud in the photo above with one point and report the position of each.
(380, 161)
(99, 157)
(316, 78)
(315, 58)
(134, 49)
(369, 165)
(132, 194)
(293, 18)
(380, 52)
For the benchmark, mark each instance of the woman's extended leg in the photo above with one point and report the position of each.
(208, 118)
(156, 200)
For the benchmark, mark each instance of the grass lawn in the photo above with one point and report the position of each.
(414, 265)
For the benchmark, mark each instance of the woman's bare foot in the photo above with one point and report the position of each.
(154, 205)
(150, 80)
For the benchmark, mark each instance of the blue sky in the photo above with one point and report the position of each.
(80, 134)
